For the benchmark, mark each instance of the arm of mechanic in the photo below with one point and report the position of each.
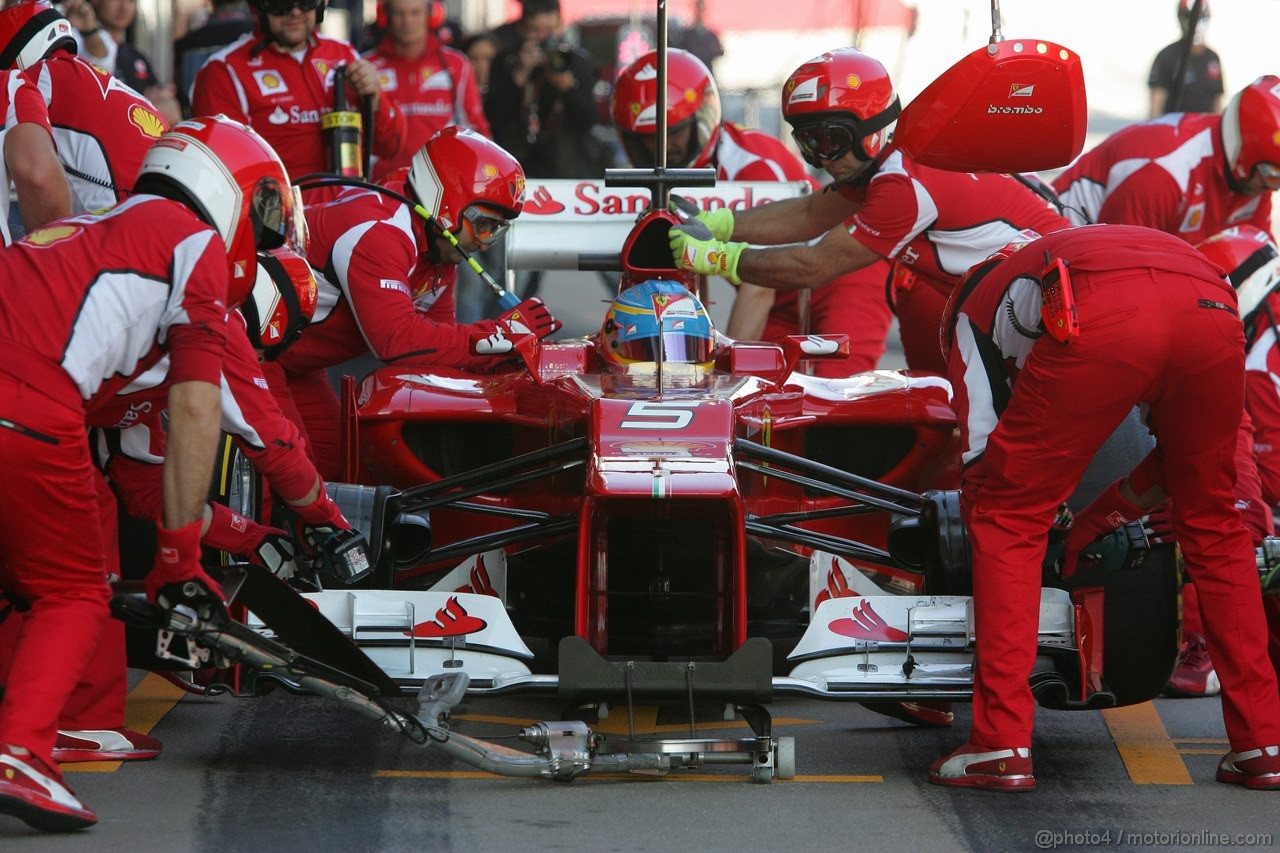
(750, 313)
(801, 266)
(43, 192)
(791, 220)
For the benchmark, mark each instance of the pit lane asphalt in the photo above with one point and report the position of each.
(283, 772)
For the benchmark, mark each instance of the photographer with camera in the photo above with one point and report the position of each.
(539, 101)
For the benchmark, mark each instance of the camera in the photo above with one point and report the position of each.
(559, 55)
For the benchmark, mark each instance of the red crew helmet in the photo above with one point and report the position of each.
(31, 31)
(1251, 132)
(233, 180)
(693, 101)
(839, 102)
(1250, 259)
(465, 180)
(282, 302)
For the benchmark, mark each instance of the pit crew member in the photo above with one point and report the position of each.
(102, 128)
(1017, 364)
(433, 83)
(132, 306)
(934, 224)
(1252, 262)
(279, 81)
(697, 137)
(1187, 174)
(386, 277)
(92, 726)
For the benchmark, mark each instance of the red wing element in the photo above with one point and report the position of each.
(480, 582)
(864, 624)
(452, 620)
(837, 586)
(1017, 106)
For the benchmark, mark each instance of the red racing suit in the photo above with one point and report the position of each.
(1168, 174)
(101, 127)
(434, 90)
(935, 225)
(1262, 396)
(853, 304)
(21, 102)
(118, 293)
(378, 293)
(1157, 325)
(283, 97)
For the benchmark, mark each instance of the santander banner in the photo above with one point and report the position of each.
(562, 219)
(590, 199)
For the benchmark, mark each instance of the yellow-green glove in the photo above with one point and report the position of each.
(696, 251)
(719, 221)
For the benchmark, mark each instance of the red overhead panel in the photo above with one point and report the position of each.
(1016, 106)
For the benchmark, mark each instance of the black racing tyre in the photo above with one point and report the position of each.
(1141, 619)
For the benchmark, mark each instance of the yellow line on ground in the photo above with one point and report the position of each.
(618, 722)
(674, 776)
(1144, 745)
(146, 706)
(1200, 752)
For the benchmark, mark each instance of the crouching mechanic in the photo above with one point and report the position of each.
(934, 224)
(386, 277)
(132, 306)
(1156, 324)
(853, 305)
(92, 725)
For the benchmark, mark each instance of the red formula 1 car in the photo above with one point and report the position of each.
(657, 513)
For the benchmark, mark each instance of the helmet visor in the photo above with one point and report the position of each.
(825, 142)
(272, 213)
(485, 224)
(676, 347)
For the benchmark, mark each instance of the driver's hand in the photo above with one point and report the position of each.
(695, 250)
(719, 222)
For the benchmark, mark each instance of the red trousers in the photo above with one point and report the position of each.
(53, 557)
(855, 305)
(1143, 340)
(920, 311)
(311, 403)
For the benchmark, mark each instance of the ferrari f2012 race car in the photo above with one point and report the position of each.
(658, 514)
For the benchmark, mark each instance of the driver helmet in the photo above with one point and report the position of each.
(692, 101)
(1251, 132)
(657, 321)
(1251, 261)
(281, 304)
(465, 181)
(839, 102)
(234, 181)
(31, 31)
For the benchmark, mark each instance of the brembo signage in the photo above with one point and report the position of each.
(559, 200)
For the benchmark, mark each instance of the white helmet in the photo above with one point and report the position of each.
(234, 180)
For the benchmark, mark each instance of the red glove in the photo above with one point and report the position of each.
(530, 317)
(1109, 511)
(321, 511)
(177, 562)
(263, 546)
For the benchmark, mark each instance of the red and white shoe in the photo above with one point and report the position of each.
(973, 766)
(1258, 769)
(34, 793)
(933, 715)
(1194, 675)
(120, 744)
